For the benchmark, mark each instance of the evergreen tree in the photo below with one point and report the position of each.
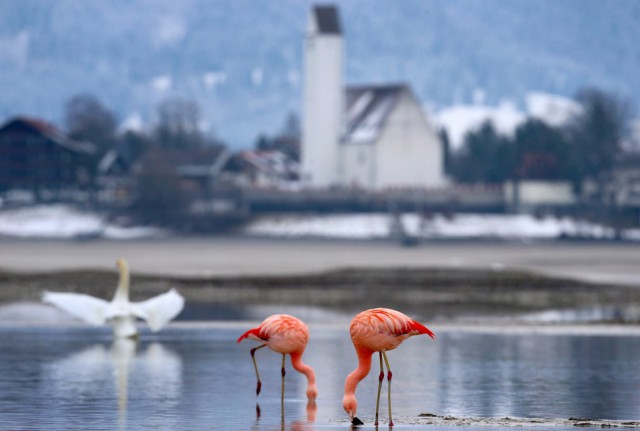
(446, 151)
(543, 152)
(486, 157)
(598, 133)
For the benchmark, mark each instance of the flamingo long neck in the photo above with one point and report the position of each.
(301, 367)
(122, 291)
(364, 366)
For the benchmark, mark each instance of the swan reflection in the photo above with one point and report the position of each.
(123, 369)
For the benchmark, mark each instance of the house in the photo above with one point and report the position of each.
(35, 156)
(267, 169)
(370, 136)
(622, 187)
(114, 175)
(388, 142)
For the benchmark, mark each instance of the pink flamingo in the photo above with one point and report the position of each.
(376, 330)
(284, 334)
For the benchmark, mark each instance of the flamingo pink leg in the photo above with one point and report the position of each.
(283, 372)
(255, 365)
(282, 395)
(389, 376)
(380, 379)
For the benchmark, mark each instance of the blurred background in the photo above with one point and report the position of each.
(357, 119)
(475, 164)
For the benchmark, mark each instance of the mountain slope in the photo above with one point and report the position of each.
(242, 59)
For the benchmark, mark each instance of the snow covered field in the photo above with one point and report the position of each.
(460, 226)
(65, 222)
(61, 222)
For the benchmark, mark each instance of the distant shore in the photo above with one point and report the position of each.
(442, 281)
(223, 273)
(206, 257)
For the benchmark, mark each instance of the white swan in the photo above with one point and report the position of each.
(121, 313)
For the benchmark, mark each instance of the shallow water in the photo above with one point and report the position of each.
(197, 377)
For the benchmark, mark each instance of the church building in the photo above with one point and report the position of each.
(369, 136)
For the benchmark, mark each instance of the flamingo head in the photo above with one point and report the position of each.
(312, 392)
(350, 405)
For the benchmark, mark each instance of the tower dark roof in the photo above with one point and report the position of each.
(327, 19)
(367, 110)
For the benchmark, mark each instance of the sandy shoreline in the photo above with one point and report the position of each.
(439, 295)
(617, 263)
(440, 281)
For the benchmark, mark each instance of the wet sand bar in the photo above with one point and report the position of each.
(445, 281)
(214, 256)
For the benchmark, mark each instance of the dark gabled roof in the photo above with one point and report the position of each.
(327, 19)
(50, 132)
(190, 162)
(367, 110)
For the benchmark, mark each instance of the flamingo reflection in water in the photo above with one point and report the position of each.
(120, 312)
(296, 425)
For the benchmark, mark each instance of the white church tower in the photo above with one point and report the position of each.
(323, 98)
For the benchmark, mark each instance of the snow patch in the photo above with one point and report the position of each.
(162, 83)
(458, 120)
(133, 123)
(461, 226)
(62, 221)
(552, 109)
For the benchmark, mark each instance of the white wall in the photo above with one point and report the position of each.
(534, 192)
(359, 165)
(409, 151)
(323, 107)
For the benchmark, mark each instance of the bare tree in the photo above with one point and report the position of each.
(86, 118)
(178, 124)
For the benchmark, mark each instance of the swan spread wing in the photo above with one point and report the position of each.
(159, 310)
(85, 307)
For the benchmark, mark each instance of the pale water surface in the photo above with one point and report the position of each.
(196, 377)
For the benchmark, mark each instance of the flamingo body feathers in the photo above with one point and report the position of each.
(383, 329)
(282, 333)
(285, 334)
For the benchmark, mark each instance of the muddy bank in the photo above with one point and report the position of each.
(439, 294)
(507, 422)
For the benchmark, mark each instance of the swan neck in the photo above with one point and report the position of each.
(122, 291)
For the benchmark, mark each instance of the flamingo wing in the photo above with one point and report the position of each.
(255, 332)
(386, 321)
(279, 328)
(84, 307)
(264, 331)
(159, 310)
(421, 329)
